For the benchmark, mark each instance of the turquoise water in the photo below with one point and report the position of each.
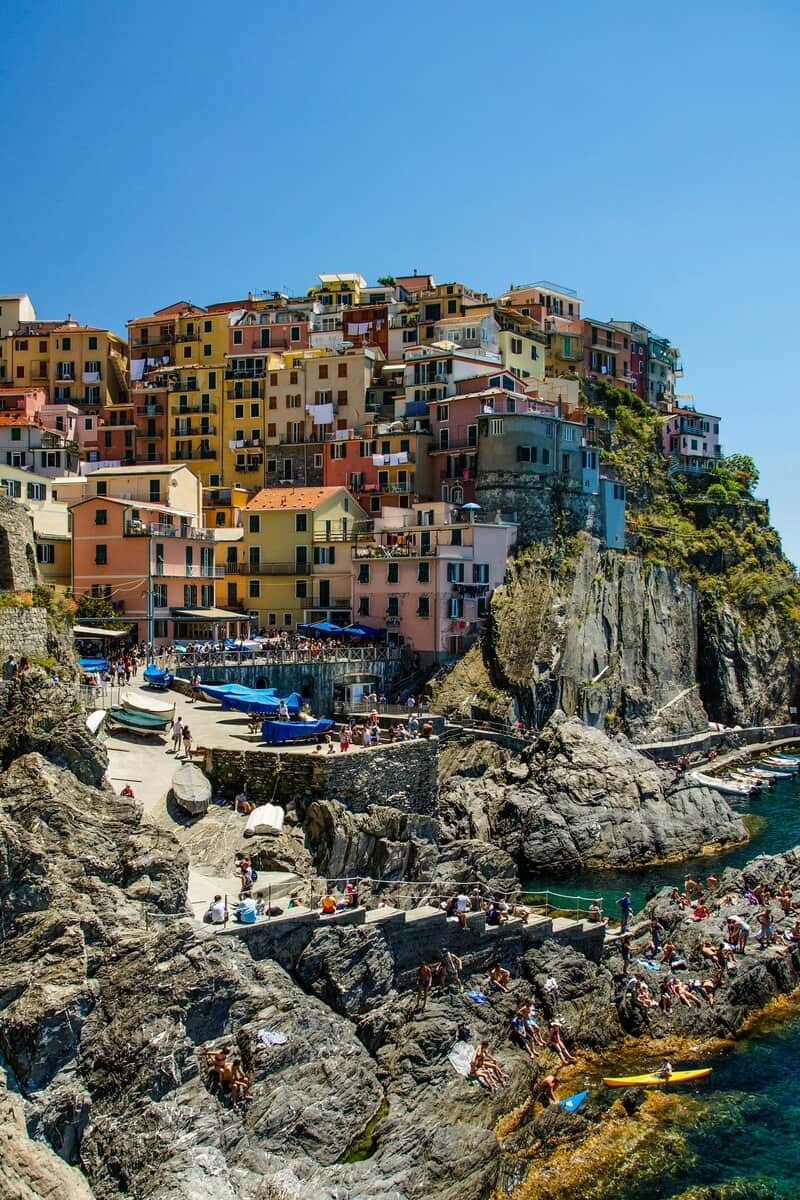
(740, 1126)
(777, 814)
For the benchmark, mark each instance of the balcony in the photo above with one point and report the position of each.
(249, 468)
(154, 529)
(196, 455)
(247, 372)
(472, 591)
(188, 337)
(186, 571)
(151, 340)
(263, 568)
(337, 531)
(176, 386)
(149, 410)
(177, 410)
(193, 431)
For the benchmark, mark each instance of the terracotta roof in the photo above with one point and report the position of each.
(19, 418)
(275, 499)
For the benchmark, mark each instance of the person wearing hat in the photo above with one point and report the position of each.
(556, 1042)
(625, 911)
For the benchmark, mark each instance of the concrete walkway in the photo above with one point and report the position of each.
(148, 765)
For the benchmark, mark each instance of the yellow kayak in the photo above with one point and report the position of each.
(655, 1080)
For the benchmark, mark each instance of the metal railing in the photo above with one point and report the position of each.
(292, 656)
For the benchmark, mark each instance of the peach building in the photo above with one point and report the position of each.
(426, 576)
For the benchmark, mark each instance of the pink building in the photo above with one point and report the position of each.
(427, 575)
(388, 464)
(29, 401)
(691, 441)
(278, 330)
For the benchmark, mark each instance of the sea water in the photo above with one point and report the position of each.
(740, 1126)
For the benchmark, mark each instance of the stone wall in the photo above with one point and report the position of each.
(418, 936)
(24, 631)
(315, 681)
(545, 504)
(18, 569)
(402, 775)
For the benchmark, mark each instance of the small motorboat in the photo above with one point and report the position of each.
(767, 777)
(741, 777)
(148, 704)
(252, 700)
(726, 786)
(191, 789)
(158, 679)
(95, 722)
(90, 665)
(275, 732)
(779, 764)
(266, 819)
(143, 724)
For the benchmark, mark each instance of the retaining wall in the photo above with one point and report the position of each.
(713, 739)
(24, 631)
(403, 775)
(419, 934)
(313, 680)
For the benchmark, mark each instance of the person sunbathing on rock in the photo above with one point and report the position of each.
(556, 1042)
(486, 1069)
(499, 978)
(240, 1084)
(217, 1060)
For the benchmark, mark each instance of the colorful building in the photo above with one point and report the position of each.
(663, 368)
(606, 352)
(296, 555)
(426, 576)
(691, 441)
(72, 363)
(25, 442)
(639, 340)
(51, 524)
(387, 464)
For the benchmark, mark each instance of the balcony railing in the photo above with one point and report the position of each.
(193, 431)
(248, 468)
(151, 340)
(247, 372)
(154, 529)
(188, 337)
(196, 455)
(263, 568)
(177, 410)
(183, 571)
(149, 410)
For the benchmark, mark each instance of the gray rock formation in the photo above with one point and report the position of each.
(748, 673)
(586, 801)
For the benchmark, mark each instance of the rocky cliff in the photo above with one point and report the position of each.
(621, 643)
(582, 801)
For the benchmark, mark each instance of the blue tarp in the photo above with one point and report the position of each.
(363, 631)
(218, 691)
(251, 700)
(93, 664)
(292, 731)
(320, 627)
(156, 678)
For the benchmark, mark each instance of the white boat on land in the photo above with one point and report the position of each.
(148, 704)
(95, 721)
(191, 789)
(726, 786)
(266, 819)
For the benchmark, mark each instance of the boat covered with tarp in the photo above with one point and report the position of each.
(252, 700)
(266, 819)
(90, 665)
(155, 678)
(275, 732)
(141, 723)
(191, 789)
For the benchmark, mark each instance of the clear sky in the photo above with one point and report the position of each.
(646, 155)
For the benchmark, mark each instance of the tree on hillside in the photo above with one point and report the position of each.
(743, 469)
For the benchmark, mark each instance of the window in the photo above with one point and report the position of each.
(545, 457)
(392, 606)
(295, 333)
(101, 554)
(301, 523)
(107, 440)
(423, 607)
(238, 412)
(424, 572)
(287, 618)
(160, 595)
(207, 350)
(66, 343)
(516, 345)
(363, 606)
(455, 537)
(324, 555)
(363, 573)
(534, 353)
(323, 371)
(456, 607)
(254, 410)
(455, 572)
(101, 488)
(220, 518)
(187, 351)
(442, 412)
(45, 552)
(254, 523)
(452, 306)
(619, 491)
(16, 434)
(301, 589)
(254, 588)
(480, 572)
(207, 326)
(338, 451)
(101, 516)
(341, 370)
(238, 337)
(92, 343)
(496, 426)
(155, 491)
(393, 573)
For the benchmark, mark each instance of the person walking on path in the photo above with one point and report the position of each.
(177, 735)
(625, 911)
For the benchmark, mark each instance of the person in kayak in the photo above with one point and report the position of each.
(665, 1070)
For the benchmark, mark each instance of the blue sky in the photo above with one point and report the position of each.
(645, 155)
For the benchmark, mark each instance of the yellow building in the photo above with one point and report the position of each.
(564, 352)
(296, 555)
(522, 343)
(301, 398)
(81, 364)
(338, 290)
